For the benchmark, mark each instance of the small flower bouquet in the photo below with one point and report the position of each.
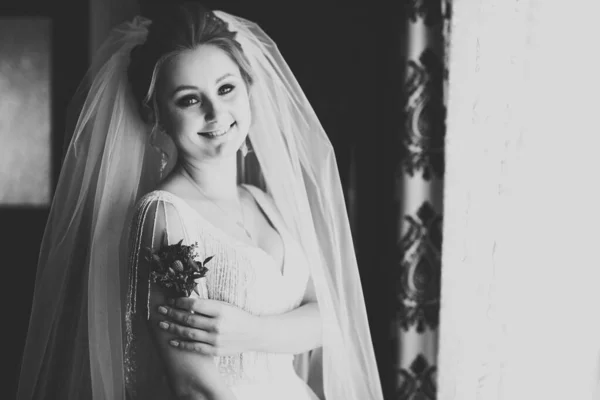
(176, 267)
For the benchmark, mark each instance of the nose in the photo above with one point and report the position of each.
(211, 108)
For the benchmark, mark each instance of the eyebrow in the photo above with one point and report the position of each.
(191, 87)
(227, 75)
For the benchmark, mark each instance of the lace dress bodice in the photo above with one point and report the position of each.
(247, 277)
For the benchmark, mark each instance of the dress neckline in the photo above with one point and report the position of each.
(280, 269)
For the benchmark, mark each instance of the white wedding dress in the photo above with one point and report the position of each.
(249, 278)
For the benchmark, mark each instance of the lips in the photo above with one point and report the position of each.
(217, 132)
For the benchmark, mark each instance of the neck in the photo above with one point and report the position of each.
(217, 179)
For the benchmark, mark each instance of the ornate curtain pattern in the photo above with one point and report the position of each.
(419, 190)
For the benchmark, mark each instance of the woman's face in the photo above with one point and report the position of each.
(204, 104)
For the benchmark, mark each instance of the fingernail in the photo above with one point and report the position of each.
(174, 343)
(162, 310)
(163, 325)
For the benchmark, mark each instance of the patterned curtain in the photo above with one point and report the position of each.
(419, 190)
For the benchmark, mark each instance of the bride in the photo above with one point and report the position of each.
(194, 130)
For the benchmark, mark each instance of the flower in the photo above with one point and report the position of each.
(175, 267)
(178, 266)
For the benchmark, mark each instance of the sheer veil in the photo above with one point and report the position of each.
(76, 338)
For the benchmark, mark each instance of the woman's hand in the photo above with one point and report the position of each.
(209, 327)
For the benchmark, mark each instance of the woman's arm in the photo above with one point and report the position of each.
(191, 375)
(294, 332)
(217, 328)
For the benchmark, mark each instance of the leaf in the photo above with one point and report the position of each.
(207, 259)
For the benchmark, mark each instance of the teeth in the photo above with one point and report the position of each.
(219, 132)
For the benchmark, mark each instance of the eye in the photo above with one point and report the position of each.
(227, 88)
(187, 101)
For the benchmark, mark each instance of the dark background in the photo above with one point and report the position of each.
(347, 58)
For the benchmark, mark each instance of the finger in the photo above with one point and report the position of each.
(195, 347)
(189, 334)
(211, 308)
(188, 319)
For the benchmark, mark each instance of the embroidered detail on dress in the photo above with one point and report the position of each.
(239, 274)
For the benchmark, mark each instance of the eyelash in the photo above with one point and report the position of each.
(186, 101)
(227, 86)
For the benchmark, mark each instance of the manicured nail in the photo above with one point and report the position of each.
(163, 325)
(174, 343)
(162, 310)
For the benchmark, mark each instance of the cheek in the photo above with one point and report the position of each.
(177, 121)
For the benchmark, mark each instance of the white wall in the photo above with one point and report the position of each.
(520, 315)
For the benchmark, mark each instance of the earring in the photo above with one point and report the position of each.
(164, 157)
(246, 147)
(164, 160)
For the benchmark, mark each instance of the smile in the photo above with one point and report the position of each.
(217, 133)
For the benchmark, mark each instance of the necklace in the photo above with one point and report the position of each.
(238, 222)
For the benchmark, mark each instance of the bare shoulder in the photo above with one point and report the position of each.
(156, 213)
